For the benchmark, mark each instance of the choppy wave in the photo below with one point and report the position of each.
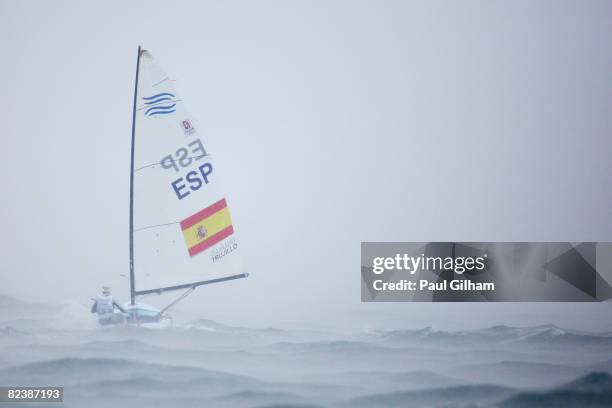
(538, 335)
(457, 396)
(593, 390)
(79, 370)
(206, 363)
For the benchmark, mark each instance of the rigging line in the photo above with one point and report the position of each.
(171, 161)
(156, 226)
(163, 80)
(183, 296)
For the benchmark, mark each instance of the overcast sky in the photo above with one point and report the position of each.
(331, 123)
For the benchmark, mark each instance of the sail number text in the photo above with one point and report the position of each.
(193, 180)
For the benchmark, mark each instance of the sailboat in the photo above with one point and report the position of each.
(181, 234)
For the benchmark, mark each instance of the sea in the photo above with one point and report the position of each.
(204, 363)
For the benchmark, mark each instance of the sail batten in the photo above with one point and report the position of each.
(158, 225)
(175, 183)
(157, 163)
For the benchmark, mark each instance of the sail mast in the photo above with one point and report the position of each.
(132, 288)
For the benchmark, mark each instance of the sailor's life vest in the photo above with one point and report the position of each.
(104, 306)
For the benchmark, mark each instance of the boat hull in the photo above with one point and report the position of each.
(138, 314)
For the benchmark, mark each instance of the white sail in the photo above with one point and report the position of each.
(183, 232)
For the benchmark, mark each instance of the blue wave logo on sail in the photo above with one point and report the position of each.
(160, 104)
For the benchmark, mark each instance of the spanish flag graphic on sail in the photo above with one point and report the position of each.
(207, 227)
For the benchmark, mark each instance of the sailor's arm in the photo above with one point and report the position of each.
(94, 307)
(122, 310)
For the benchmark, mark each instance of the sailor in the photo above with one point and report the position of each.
(105, 307)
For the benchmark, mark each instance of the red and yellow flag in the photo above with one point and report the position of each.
(207, 227)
